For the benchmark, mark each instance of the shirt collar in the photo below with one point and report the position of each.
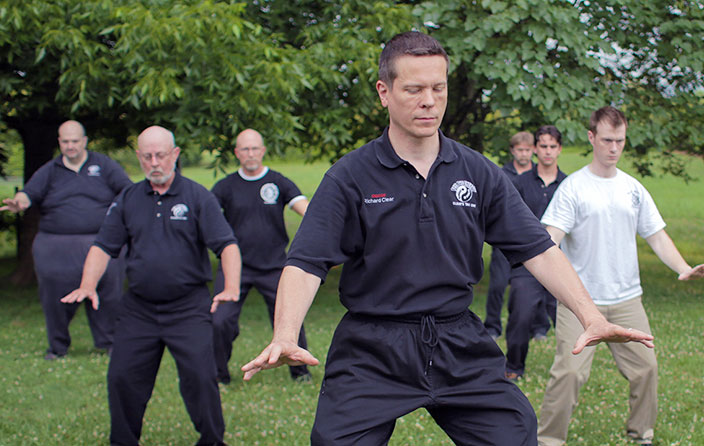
(246, 177)
(174, 189)
(388, 157)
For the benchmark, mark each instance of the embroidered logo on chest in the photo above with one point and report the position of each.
(635, 198)
(464, 191)
(93, 170)
(179, 211)
(269, 193)
(378, 198)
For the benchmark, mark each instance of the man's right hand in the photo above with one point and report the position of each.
(13, 205)
(277, 354)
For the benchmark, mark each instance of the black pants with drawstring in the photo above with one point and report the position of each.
(380, 369)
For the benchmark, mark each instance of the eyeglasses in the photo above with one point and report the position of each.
(254, 149)
(159, 156)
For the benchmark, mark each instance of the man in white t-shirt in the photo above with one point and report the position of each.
(596, 213)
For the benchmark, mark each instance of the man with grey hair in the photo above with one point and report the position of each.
(73, 192)
(168, 222)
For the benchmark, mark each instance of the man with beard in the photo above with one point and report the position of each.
(168, 222)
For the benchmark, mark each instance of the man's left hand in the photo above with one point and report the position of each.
(608, 332)
(694, 273)
(225, 296)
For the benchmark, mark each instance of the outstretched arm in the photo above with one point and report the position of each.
(93, 269)
(19, 203)
(231, 268)
(554, 272)
(294, 296)
(668, 253)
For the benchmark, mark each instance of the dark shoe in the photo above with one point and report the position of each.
(540, 337)
(304, 378)
(224, 380)
(51, 356)
(512, 376)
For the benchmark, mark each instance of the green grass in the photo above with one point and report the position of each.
(64, 402)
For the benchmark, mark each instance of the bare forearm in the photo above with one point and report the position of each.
(94, 267)
(231, 261)
(294, 297)
(667, 252)
(554, 272)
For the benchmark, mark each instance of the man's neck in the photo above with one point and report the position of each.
(420, 152)
(547, 173)
(520, 169)
(602, 171)
(76, 163)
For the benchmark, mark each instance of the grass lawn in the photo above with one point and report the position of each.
(64, 402)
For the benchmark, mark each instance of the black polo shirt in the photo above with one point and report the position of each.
(510, 170)
(167, 236)
(535, 193)
(409, 245)
(254, 207)
(75, 202)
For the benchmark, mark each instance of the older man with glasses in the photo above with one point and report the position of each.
(168, 222)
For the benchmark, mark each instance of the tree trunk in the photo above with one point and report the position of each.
(39, 139)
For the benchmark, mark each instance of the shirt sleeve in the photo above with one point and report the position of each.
(561, 212)
(289, 191)
(511, 226)
(319, 243)
(38, 184)
(215, 231)
(649, 219)
(113, 232)
(117, 178)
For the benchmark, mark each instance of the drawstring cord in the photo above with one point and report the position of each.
(429, 336)
(428, 331)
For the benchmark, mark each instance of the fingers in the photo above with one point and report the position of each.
(611, 333)
(77, 296)
(277, 354)
(214, 306)
(267, 359)
(695, 273)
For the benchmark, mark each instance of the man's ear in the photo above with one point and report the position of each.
(383, 91)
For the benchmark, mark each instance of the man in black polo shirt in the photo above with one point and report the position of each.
(73, 192)
(521, 148)
(408, 214)
(528, 298)
(253, 200)
(168, 222)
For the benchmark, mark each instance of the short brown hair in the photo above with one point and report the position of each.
(411, 43)
(521, 138)
(549, 130)
(609, 115)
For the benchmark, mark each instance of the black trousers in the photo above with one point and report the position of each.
(144, 329)
(527, 302)
(58, 262)
(499, 273)
(226, 326)
(378, 370)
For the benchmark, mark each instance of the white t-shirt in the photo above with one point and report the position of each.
(600, 217)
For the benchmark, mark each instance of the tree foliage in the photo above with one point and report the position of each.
(526, 63)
